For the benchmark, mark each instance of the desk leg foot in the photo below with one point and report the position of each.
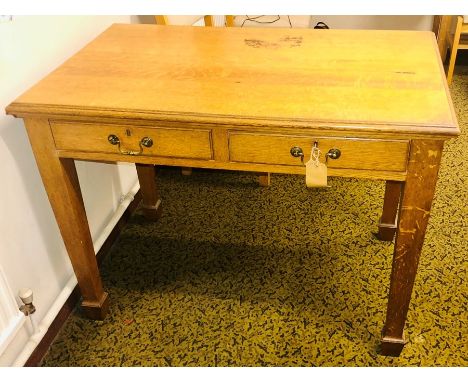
(418, 192)
(152, 212)
(391, 346)
(387, 224)
(96, 310)
(386, 232)
(149, 191)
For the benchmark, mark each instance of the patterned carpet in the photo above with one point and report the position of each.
(237, 274)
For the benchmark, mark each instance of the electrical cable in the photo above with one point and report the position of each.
(254, 19)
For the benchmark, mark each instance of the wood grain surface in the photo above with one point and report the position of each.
(173, 142)
(362, 78)
(366, 154)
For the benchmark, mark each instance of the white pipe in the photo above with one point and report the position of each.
(43, 327)
(33, 324)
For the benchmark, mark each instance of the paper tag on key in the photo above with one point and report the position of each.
(316, 172)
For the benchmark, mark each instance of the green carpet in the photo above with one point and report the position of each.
(237, 274)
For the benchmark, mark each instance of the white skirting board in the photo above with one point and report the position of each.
(18, 321)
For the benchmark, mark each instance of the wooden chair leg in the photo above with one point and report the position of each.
(441, 28)
(161, 19)
(388, 221)
(209, 21)
(229, 20)
(454, 50)
(264, 179)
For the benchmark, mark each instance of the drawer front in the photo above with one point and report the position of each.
(363, 154)
(166, 142)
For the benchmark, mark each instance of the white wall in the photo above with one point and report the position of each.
(375, 22)
(305, 21)
(344, 22)
(32, 253)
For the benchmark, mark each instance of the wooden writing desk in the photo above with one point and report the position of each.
(240, 99)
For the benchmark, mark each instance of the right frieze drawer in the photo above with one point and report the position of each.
(362, 154)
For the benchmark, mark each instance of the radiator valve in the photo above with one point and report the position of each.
(26, 295)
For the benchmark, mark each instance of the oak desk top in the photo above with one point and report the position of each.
(357, 80)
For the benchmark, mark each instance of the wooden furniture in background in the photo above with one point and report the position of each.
(259, 93)
(457, 41)
(209, 21)
(161, 19)
(441, 28)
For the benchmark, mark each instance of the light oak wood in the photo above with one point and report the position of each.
(230, 20)
(312, 75)
(418, 193)
(364, 154)
(161, 19)
(213, 164)
(264, 178)
(463, 42)
(209, 21)
(220, 144)
(441, 28)
(238, 99)
(63, 189)
(173, 142)
(338, 130)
